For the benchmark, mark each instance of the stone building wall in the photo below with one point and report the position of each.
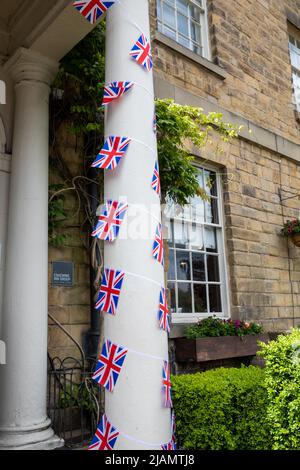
(69, 305)
(249, 79)
(249, 41)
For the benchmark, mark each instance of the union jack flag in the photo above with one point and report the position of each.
(156, 179)
(110, 290)
(115, 90)
(105, 437)
(163, 314)
(154, 123)
(167, 385)
(110, 220)
(114, 149)
(141, 52)
(170, 446)
(109, 365)
(158, 247)
(92, 9)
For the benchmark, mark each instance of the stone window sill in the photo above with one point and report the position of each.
(205, 63)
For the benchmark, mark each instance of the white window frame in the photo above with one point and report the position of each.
(204, 30)
(182, 318)
(295, 62)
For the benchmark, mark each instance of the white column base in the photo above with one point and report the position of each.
(41, 438)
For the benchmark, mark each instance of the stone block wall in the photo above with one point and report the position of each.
(70, 305)
(249, 40)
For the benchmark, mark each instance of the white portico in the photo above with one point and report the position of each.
(46, 30)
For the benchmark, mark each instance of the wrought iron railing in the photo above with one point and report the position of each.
(74, 401)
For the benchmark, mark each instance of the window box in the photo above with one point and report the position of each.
(216, 348)
(296, 239)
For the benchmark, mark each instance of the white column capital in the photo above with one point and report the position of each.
(27, 65)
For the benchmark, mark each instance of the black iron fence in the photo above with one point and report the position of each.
(74, 400)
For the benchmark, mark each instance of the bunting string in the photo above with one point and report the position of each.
(112, 357)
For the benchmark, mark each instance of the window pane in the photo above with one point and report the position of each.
(196, 237)
(184, 298)
(197, 206)
(183, 41)
(211, 240)
(197, 49)
(171, 287)
(169, 231)
(198, 267)
(211, 211)
(196, 33)
(183, 265)
(182, 6)
(158, 9)
(200, 298)
(210, 183)
(183, 26)
(169, 32)
(181, 234)
(169, 15)
(215, 299)
(195, 13)
(213, 268)
(171, 270)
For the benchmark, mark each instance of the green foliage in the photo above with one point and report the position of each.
(222, 409)
(291, 227)
(283, 387)
(81, 77)
(213, 326)
(56, 217)
(77, 396)
(177, 124)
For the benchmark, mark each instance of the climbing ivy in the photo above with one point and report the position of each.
(176, 125)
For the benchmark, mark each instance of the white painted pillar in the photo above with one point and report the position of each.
(23, 380)
(135, 406)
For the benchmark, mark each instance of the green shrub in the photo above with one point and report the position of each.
(222, 409)
(283, 386)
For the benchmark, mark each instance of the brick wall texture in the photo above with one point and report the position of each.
(249, 39)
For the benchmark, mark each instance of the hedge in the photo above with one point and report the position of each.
(222, 409)
(282, 372)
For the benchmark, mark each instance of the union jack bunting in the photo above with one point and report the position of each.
(167, 385)
(92, 9)
(156, 179)
(105, 437)
(110, 290)
(170, 446)
(163, 314)
(158, 248)
(110, 220)
(141, 52)
(154, 123)
(115, 90)
(109, 365)
(114, 149)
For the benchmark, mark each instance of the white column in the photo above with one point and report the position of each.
(23, 380)
(135, 406)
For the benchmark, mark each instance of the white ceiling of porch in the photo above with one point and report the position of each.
(9, 8)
